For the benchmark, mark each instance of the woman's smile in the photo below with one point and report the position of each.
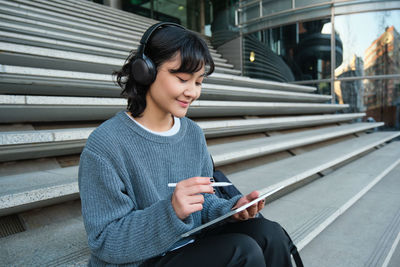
(183, 103)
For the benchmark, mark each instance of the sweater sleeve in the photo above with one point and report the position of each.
(117, 232)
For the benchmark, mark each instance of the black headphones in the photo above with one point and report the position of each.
(143, 69)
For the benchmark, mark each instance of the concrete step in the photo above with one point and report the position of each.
(20, 108)
(29, 39)
(80, 11)
(79, 44)
(237, 127)
(24, 80)
(307, 211)
(117, 17)
(40, 14)
(242, 150)
(82, 19)
(43, 19)
(61, 244)
(395, 260)
(294, 170)
(41, 57)
(64, 243)
(368, 233)
(106, 10)
(32, 190)
(12, 20)
(37, 189)
(17, 145)
(216, 92)
(30, 144)
(39, 81)
(27, 21)
(16, 21)
(222, 78)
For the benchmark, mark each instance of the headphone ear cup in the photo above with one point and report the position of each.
(143, 70)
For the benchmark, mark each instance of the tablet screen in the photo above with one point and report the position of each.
(232, 212)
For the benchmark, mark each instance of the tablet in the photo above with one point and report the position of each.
(232, 212)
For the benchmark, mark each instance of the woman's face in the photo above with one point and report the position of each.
(172, 93)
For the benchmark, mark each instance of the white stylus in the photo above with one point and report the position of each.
(212, 184)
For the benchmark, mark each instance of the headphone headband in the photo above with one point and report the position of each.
(146, 36)
(143, 69)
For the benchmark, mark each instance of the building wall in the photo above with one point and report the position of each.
(347, 49)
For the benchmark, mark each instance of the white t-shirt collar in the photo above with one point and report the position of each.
(174, 130)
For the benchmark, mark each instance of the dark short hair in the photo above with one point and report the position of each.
(162, 46)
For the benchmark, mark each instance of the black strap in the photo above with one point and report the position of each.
(294, 252)
(212, 160)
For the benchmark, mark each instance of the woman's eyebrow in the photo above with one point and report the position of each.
(173, 71)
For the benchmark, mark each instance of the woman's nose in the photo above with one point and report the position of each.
(191, 91)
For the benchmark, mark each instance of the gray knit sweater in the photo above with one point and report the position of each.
(126, 203)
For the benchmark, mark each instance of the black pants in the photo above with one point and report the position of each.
(252, 243)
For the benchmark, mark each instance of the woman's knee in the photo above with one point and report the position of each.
(245, 251)
(275, 230)
(268, 233)
(274, 236)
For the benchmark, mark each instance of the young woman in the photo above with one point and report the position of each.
(131, 216)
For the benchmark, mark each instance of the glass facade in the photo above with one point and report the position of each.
(371, 48)
(355, 56)
(302, 51)
(195, 15)
(254, 9)
(371, 43)
(271, 6)
(209, 17)
(378, 98)
(303, 3)
(350, 49)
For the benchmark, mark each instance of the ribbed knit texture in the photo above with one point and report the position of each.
(126, 203)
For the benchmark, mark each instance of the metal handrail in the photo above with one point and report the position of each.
(351, 78)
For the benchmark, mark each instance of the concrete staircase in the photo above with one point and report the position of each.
(340, 201)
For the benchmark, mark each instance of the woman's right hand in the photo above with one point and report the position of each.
(187, 197)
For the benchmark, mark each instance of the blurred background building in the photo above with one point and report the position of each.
(346, 48)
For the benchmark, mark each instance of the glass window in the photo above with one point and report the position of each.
(250, 12)
(159, 10)
(244, 2)
(302, 3)
(300, 51)
(184, 12)
(261, 62)
(371, 43)
(252, 9)
(379, 99)
(272, 6)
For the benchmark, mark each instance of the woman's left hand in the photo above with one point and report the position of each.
(251, 211)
